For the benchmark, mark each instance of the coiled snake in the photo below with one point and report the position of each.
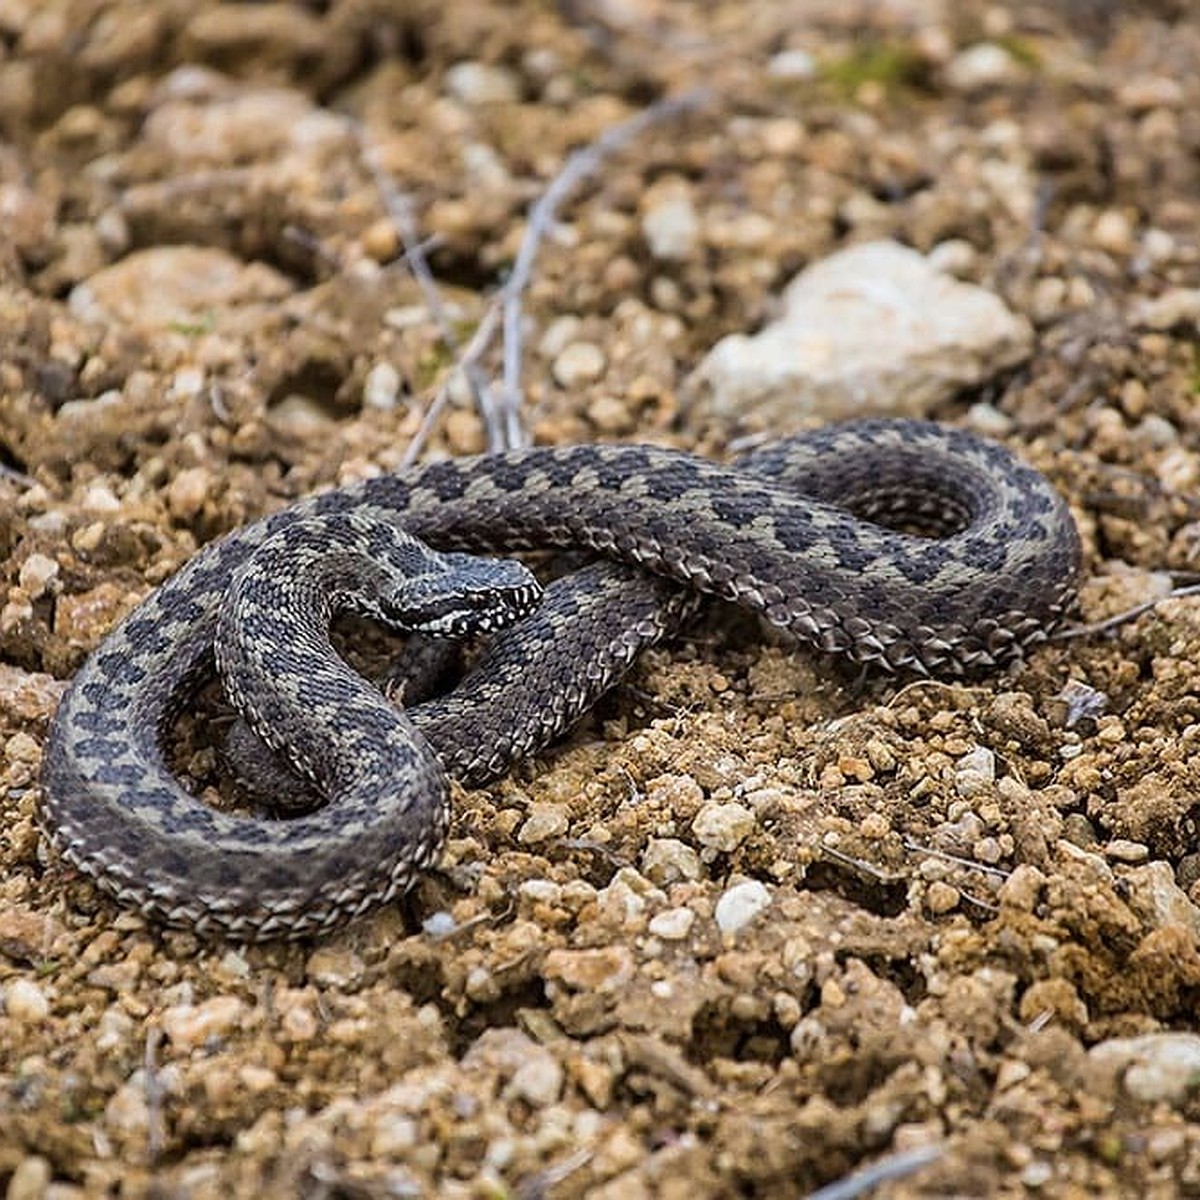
(899, 543)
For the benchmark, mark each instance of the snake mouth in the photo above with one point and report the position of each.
(467, 613)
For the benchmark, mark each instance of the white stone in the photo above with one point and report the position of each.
(723, 826)
(37, 573)
(538, 1080)
(578, 362)
(792, 64)
(25, 1002)
(189, 1025)
(668, 860)
(673, 925)
(740, 905)
(872, 329)
(481, 83)
(30, 1179)
(1156, 898)
(545, 822)
(975, 772)
(381, 388)
(100, 498)
(672, 228)
(983, 65)
(1176, 306)
(1155, 1066)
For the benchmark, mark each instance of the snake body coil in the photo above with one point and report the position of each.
(806, 532)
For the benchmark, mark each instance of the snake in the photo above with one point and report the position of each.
(903, 544)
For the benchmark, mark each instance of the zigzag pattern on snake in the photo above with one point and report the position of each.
(899, 543)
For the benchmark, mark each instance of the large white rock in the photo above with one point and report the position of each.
(875, 329)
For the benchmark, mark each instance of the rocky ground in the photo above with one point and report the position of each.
(759, 923)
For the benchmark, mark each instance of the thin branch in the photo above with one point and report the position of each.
(399, 208)
(475, 349)
(915, 847)
(1122, 618)
(579, 164)
(862, 866)
(17, 477)
(895, 1166)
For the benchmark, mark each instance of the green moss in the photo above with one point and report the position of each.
(196, 326)
(431, 367)
(1021, 49)
(896, 66)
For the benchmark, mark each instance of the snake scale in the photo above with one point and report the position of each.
(899, 543)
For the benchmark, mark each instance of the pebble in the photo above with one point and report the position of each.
(188, 491)
(1157, 898)
(558, 335)
(162, 286)
(1037, 1174)
(300, 418)
(255, 124)
(440, 924)
(578, 363)
(673, 925)
(100, 498)
(381, 388)
(1144, 92)
(190, 1025)
(988, 850)
(740, 904)
(668, 860)
(541, 891)
(329, 966)
(723, 826)
(975, 772)
(988, 420)
(477, 83)
(1124, 851)
(299, 1022)
(791, 65)
(464, 431)
(24, 1001)
(393, 1135)
(873, 328)
(30, 1179)
(672, 228)
(1079, 831)
(1175, 307)
(606, 969)
(538, 1080)
(941, 898)
(37, 573)
(545, 822)
(955, 256)
(1113, 232)
(981, 66)
(1153, 1067)
(1082, 702)
(611, 414)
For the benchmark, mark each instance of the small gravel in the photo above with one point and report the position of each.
(761, 920)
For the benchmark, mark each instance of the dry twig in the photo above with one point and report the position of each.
(580, 164)
(895, 1166)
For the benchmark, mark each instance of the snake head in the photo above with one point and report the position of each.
(472, 596)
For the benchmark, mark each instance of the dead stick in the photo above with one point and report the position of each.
(579, 164)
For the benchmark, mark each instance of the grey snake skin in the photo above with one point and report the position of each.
(897, 543)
